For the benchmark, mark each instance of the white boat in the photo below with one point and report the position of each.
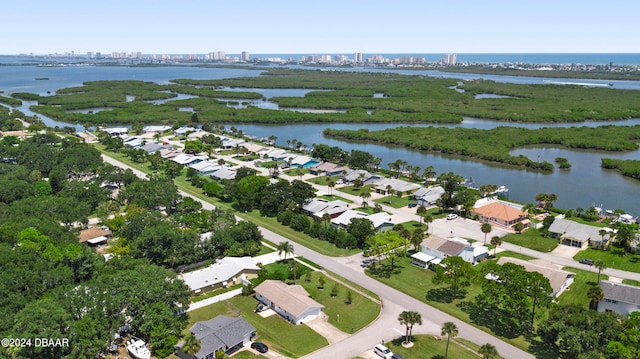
(138, 349)
(502, 189)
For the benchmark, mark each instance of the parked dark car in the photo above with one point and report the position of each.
(397, 356)
(586, 261)
(412, 205)
(260, 347)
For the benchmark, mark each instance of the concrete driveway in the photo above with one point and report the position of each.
(321, 326)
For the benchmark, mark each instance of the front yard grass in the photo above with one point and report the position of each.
(427, 346)
(577, 292)
(291, 340)
(612, 258)
(532, 239)
(333, 197)
(394, 201)
(631, 282)
(347, 317)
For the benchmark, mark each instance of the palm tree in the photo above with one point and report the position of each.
(286, 248)
(428, 219)
(421, 211)
(595, 295)
(388, 190)
(495, 242)
(486, 229)
(488, 351)
(450, 330)
(330, 184)
(365, 196)
(409, 319)
(602, 232)
(428, 173)
(530, 208)
(601, 265)
(416, 238)
(191, 345)
(624, 237)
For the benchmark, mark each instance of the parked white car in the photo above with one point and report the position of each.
(451, 216)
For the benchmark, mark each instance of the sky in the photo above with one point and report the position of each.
(319, 27)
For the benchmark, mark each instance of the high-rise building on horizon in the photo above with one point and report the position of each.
(450, 60)
(358, 57)
(245, 56)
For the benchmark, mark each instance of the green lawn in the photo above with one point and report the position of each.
(428, 347)
(214, 293)
(532, 239)
(577, 293)
(245, 354)
(412, 225)
(280, 335)
(395, 201)
(333, 197)
(631, 282)
(294, 171)
(613, 258)
(347, 317)
(356, 191)
(322, 180)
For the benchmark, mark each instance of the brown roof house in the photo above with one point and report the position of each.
(434, 249)
(95, 236)
(501, 214)
(290, 301)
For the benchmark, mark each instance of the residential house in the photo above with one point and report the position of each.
(153, 147)
(395, 185)
(133, 141)
(223, 273)
(197, 135)
(224, 173)
(366, 177)
(252, 147)
(290, 301)
(328, 169)
(186, 159)
(184, 130)
(302, 162)
(559, 279)
(428, 196)
(115, 131)
(94, 236)
(620, 298)
(435, 248)
(170, 153)
(205, 167)
(275, 154)
(574, 234)
(318, 207)
(381, 221)
(231, 143)
(499, 213)
(152, 130)
(220, 333)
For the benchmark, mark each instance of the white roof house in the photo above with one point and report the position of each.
(428, 196)
(620, 298)
(576, 234)
(115, 131)
(380, 221)
(224, 272)
(318, 207)
(290, 301)
(205, 167)
(395, 185)
(184, 130)
(186, 159)
(224, 173)
(155, 129)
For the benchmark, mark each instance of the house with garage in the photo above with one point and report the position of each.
(224, 173)
(292, 302)
(155, 129)
(620, 298)
(220, 333)
(498, 213)
(574, 234)
(318, 207)
(435, 248)
(391, 186)
(223, 273)
(328, 169)
(115, 131)
(366, 177)
(205, 167)
(428, 196)
(381, 221)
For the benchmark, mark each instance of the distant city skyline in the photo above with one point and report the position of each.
(327, 27)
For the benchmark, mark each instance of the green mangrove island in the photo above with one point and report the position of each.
(359, 97)
(495, 144)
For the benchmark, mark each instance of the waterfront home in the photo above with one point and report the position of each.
(366, 177)
(292, 302)
(152, 130)
(428, 196)
(620, 298)
(435, 248)
(559, 279)
(381, 221)
(184, 130)
(220, 333)
(231, 143)
(574, 234)
(328, 169)
(498, 213)
(395, 185)
(115, 131)
(275, 154)
(224, 272)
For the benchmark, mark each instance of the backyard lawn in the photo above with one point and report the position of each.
(532, 239)
(613, 258)
(333, 197)
(291, 340)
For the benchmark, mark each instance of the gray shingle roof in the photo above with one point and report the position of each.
(620, 292)
(221, 332)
